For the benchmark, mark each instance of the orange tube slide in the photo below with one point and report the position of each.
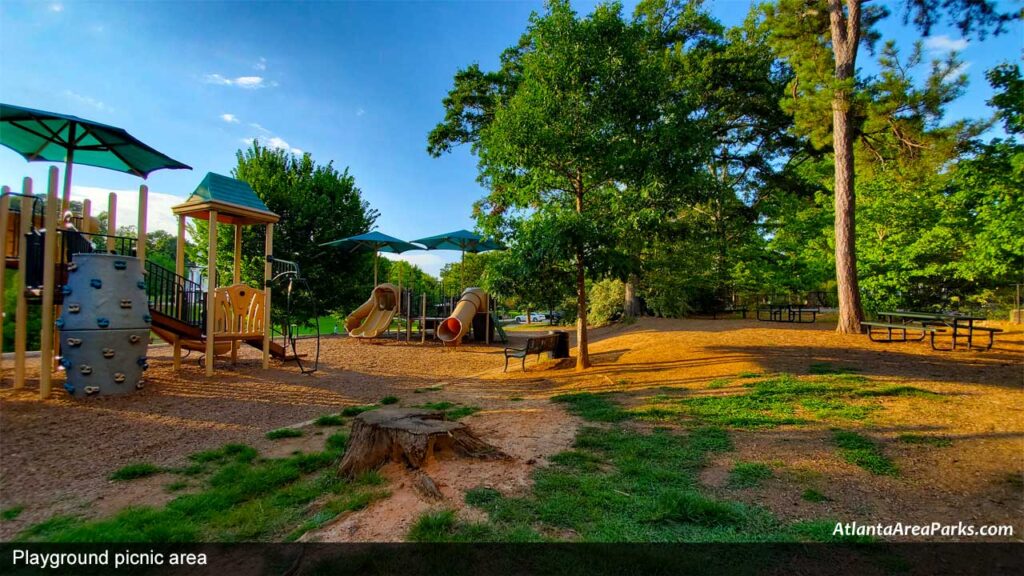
(461, 320)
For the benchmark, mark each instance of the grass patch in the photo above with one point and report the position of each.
(593, 407)
(452, 410)
(133, 471)
(718, 383)
(433, 527)
(935, 441)
(389, 400)
(329, 420)
(284, 433)
(747, 375)
(748, 474)
(782, 400)
(176, 486)
(812, 495)
(357, 410)
(826, 368)
(861, 451)
(11, 513)
(516, 399)
(244, 498)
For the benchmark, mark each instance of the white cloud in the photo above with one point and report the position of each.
(229, 118)
(246, 82)
(943, 43)
(158, 208)
(274, 142)
(261, 64)
(56, 7)
(87, 101)
(259, 127)
(360, 112)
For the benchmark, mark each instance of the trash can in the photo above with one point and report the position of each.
(562, 347)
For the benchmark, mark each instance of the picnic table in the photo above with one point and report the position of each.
(787, 313)
(924, 321)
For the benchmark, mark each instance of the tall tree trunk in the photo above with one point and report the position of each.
(845, 39)
(631, 305)
(582, 348)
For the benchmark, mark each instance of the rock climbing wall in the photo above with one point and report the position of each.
(104, 327)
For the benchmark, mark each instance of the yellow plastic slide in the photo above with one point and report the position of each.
(374, 316)
(461, 320)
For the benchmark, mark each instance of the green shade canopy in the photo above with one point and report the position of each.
(462, 240)
(376, 241)
(51, 137)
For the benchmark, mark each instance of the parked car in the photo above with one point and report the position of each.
(534, 317)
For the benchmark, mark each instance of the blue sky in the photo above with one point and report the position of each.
(357, 83)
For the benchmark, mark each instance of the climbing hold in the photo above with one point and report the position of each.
(102, 322)
(66, 290)
(141, 284)
(119, 378)
(74, 342)
(74, 308)
(141, 361)
(147, 318)
(90, 390)
(69, 387)
(140, 384)
(108, 353)
(85, 369)
(59, 323)
(96, 283)
(65, 363)
(126, 303)
(72, 266)
(134, 339)
(120, 264)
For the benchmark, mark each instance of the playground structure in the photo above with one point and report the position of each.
(398, 312)
(51, 268)
(373, 317)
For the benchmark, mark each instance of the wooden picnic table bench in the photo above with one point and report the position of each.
(962, 326)
(729, 310)
(533, 345)
(890, 327)
(787, 313)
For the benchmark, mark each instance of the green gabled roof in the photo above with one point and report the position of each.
(217, 188)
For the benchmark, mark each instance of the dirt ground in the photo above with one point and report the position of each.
(55, 455)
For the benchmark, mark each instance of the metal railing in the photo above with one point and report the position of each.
(175, 296)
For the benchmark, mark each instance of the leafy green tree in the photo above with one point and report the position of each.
(569, 120)
(317, 204)
(820, 40)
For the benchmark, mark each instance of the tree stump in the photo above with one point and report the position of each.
(409, 435)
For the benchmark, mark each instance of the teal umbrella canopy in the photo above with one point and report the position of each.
(41, 136)
(376, 241)
(462, 240)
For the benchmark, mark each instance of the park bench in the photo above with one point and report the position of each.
(533, 345)
(925, 329)
(715, 312)
(787, 313)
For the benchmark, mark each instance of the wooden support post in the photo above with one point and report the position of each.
(211, 287)
(52, 223)
(236, 278)
(487, 323)
(267, 275)
(111, 220)
(140, 247)
(21, 308)
(5, 207)
(86, 215)
(179, 269)
(423, 318)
